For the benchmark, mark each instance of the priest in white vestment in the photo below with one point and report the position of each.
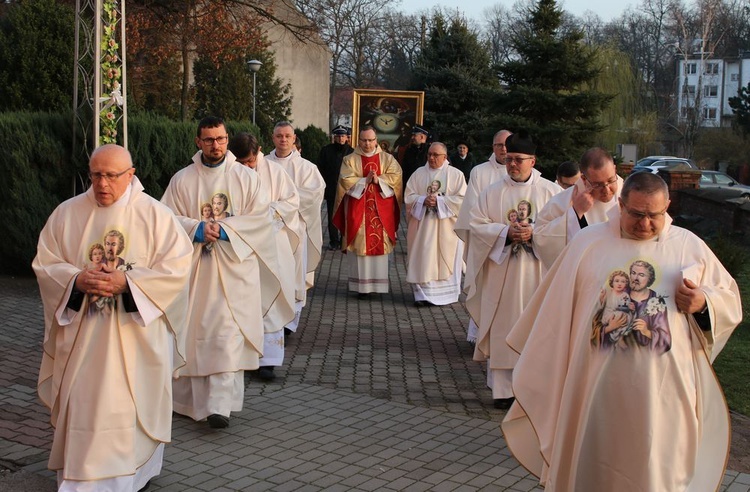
(433, 198)
(113, 326)
(625, 399)
(234, 255)
(310, 188)
(367, 212)
(502, 266)
(585, 203)
(284, 211)
(480, 178)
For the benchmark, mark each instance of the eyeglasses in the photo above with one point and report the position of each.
(515, 159)
(218, 140)
(601, 186)
(434, 154)
(499, 145)
(636, 215)
(107, 176)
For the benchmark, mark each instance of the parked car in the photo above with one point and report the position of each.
(655, 162)
(717, 179)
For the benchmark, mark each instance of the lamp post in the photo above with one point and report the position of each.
(254, 67)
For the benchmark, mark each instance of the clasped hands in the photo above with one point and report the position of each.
(211, 232)
(372, 178)
(430, 200)
(520, 233)
(102, 281)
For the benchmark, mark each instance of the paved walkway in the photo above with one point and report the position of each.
(375, 395)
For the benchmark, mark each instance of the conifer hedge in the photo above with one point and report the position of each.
(38, 169)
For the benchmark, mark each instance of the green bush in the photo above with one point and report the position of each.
(39, 170)
(313, 139)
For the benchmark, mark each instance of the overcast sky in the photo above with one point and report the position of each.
(606, 9)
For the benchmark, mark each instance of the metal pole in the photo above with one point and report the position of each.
(254, 98)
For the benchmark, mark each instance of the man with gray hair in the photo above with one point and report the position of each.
(107, 368)
(311, 188)
(645, 412)
(433, 198)
(581, 205)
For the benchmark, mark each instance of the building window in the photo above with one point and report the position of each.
(709, 113)
(711, 91)
(691, 68)
(734, 77)
(690, 90)
(712, 68)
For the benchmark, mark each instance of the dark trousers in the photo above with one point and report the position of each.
(333, 233)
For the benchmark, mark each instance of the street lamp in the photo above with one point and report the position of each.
(254, 67)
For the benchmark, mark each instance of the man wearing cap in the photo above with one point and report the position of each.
(433, 197)
(502, 266)
(415, 155)
(463, 159)
(480, 178)
(367, 212)
(329, 165)
(586, 203)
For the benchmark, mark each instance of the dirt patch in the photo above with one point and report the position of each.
(739, 453)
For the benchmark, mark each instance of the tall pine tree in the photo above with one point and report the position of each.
(455, 72)
(548, 87)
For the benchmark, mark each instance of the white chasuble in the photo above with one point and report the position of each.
(557, 222)
(500, 277)
(480, 178)
(614, 386)
(431, 243)
(285, 215)
(225, 330)
(310, 187)
(108, 362)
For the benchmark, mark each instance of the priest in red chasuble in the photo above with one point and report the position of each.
(367, 212)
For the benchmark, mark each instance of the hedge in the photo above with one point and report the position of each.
(39, 170)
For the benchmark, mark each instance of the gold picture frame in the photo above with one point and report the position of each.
(393, 114)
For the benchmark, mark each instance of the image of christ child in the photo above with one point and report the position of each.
(96, 254)
(617, 309)
(512, 216)
(207, 212)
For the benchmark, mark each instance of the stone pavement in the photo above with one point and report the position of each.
(375, 395)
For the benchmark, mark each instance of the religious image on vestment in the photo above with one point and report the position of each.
(521, 214)
(215, 209)
(435, 188)
(107, 254)
(629, 313)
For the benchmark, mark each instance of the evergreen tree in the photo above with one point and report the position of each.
(740, 105)
(548, 86)
(455, 73)
(36, 57)
(227, 91)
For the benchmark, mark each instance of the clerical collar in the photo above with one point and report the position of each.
(525, 180)
(369, 154)
(276, 153)
(213, 165)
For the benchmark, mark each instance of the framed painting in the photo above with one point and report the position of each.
(392, 114)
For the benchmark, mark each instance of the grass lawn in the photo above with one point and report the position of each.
(733, 364)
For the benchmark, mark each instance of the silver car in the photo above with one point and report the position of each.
(717, 179)
(653, 163)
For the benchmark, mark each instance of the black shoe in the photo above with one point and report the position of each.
(503, 403)
(334, 245)
(145, 487)
(216, 421)
(265, 373)
(287, 333)
(363, 295)
(422, 303)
